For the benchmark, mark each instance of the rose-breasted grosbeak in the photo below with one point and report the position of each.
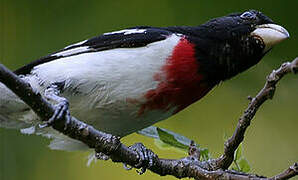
(123, 81)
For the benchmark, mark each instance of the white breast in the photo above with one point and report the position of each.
(100, 84)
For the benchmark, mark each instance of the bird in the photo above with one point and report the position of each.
(123, 81)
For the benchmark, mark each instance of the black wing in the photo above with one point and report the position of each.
(129, 38)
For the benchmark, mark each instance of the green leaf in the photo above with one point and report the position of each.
(149, 132)
(240, 162)
(161, 144)
(205, 155)
(171, 139)
(238, 153)
(165, 139)
(166, 136)
(234, 167)
(244, 165)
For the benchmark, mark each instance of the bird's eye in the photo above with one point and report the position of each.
(248, 16)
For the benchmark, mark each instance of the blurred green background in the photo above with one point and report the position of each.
(32, 28)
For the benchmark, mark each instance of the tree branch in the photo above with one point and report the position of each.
(186, 167)
(266, 93)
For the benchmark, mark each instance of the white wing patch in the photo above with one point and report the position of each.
(126, 31)
(76, 44)
(86, 48)
(72, 51)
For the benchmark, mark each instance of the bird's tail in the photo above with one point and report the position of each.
(10, 108)
(15, 114)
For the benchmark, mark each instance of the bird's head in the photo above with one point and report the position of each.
(234, 43)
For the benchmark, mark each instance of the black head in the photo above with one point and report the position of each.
(231, 44)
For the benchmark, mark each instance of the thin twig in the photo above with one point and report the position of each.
(266, 93)
(118, 152)
(287, 174)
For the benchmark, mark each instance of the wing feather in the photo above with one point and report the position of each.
(128, 38)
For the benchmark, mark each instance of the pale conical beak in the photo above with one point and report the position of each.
(271, 34)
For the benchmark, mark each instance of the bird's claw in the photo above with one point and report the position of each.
(146, 157)
(127, 167)
(61, 112)
(101, 156)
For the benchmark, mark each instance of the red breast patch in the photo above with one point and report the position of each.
(179, 81)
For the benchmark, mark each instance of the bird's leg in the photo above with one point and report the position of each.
(61, 108)
(146, 157)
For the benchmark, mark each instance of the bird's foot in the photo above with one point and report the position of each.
(146, 157)
(61, 113)
(62, 107)
(102, 156)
